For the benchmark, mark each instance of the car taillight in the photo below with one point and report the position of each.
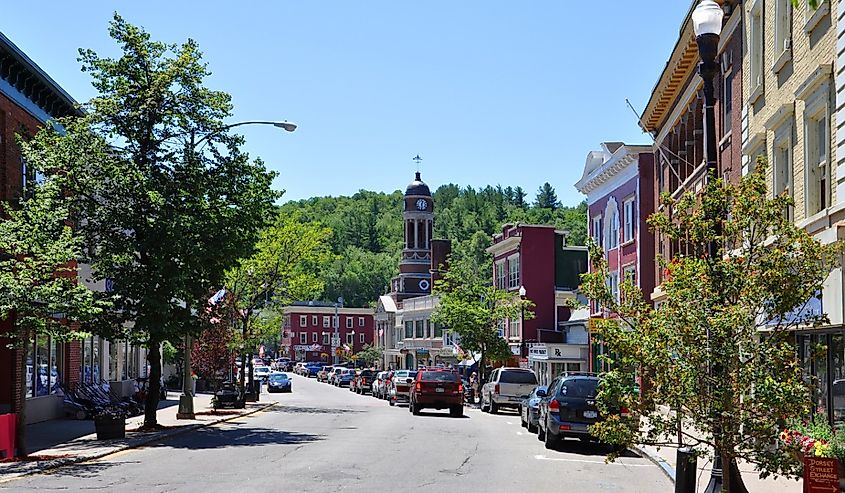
(460, 387)
(419, 386)
(565, 427)
(554, 405)
(496, 389)
(364, 381)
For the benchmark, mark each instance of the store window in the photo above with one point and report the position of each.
(513, 272)
(303, 338)
(837, 361)
(501, 277)
(420, 329)
(44, 362)
(409, 330)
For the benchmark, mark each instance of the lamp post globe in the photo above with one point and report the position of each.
(707, 18)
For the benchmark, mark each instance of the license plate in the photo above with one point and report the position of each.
(590, 414)
(440, 389)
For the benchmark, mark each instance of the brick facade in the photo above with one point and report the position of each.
(361, 320)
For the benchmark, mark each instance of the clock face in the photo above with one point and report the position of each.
(422, 204)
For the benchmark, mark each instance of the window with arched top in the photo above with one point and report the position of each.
(611, 224)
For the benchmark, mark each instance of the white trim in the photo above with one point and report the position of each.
(813, 20)
(819, 76)
(785, 111)
(681, 106)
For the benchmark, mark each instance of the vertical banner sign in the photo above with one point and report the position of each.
(821, 475)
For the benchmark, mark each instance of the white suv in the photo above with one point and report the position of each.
(506, 388)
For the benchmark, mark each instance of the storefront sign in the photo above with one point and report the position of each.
(302, 347)
(538, 351)
(821, 475)
(515, 350)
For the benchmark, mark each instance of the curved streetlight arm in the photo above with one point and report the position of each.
(286, 125)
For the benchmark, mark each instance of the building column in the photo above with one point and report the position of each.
(416, 234)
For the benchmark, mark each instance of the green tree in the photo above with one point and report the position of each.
(701, 352)
(369, 354)
(471, 307)
(546, 197)
(285, 267)
(39, 290)
(166, 200)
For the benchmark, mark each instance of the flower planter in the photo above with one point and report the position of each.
(109, 427)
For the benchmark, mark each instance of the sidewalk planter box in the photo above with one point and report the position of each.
(109, 427)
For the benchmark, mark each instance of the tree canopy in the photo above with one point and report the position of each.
(718, 350)
(166, 200)
(367, 231)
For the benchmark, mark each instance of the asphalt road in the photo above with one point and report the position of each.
(324, 439)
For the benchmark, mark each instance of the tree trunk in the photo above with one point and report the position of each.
(731, 477)
(154, 385)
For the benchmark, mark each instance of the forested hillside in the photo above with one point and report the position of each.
(367, 230)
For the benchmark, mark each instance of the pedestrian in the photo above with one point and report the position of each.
(473, 384)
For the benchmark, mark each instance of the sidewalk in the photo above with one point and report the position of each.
(64, 441)
(666, 458)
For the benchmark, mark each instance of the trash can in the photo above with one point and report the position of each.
(687, 466)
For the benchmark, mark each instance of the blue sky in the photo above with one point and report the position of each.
(487, 92)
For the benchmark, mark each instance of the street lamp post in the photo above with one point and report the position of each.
(336, 339)
(186, 400)
(522, 293)
(707, 22)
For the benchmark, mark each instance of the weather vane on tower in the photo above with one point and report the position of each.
(417, 159)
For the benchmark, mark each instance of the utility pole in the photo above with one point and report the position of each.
(336, 338)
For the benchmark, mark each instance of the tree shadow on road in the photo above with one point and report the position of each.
(84, 470)
(594, 449)
(310, 410)
(241, 436)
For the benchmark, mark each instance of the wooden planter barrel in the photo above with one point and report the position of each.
(109, 428)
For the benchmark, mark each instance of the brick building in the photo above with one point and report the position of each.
(674, 118)
(29, 99)
(618, 181)
(522, 257)
(310, 326)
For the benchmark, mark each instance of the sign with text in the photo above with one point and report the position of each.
(821, 475)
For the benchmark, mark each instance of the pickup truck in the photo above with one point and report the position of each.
(506, 388)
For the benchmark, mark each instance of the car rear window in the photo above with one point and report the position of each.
(439, 376)
(518, 377)
(579, 387)
(367, 373)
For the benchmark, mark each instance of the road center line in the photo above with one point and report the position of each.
(560, 459)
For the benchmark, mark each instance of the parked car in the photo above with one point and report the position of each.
(569, 409)
(279, 382)
(344, 377)
(311, 369)
(399, 389)
(262, 373)
(529, 409)
(379, 389)
(438, 389)
(323, 374)
(298, 368)
(364, 381)
(229, 395)
(506, 388)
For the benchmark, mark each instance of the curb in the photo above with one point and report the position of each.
(659, 461)
(138, 442)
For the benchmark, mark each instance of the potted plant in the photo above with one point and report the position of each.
(110, 423)
(815, 438)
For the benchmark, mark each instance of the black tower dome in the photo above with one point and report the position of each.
(417, 188)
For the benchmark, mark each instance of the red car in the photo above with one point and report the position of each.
(438, 389)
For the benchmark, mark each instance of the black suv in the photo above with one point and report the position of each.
(568, 409)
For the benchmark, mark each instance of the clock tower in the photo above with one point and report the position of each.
(418, 214)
